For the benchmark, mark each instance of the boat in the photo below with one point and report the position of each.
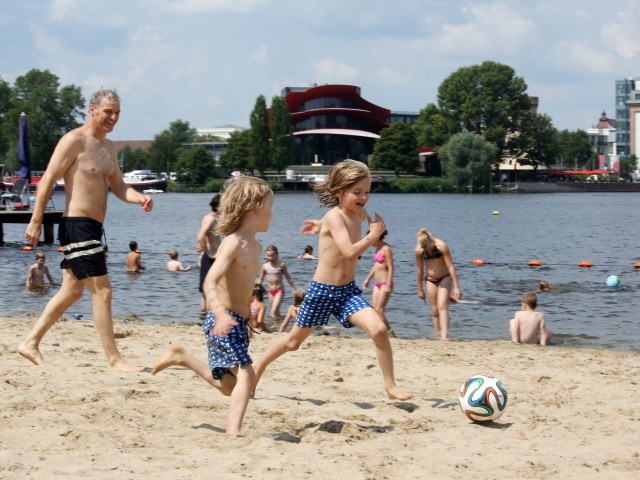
(145, 180)
(151, 191)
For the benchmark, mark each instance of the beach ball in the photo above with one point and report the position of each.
(495, 212)
(482, 398)
(613, 281)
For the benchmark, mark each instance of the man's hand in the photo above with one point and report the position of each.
(32, 233)
(147, 203)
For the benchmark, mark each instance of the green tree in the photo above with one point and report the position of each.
(281, 134)
(467, 159)
(432, 128)
(488, 100)
(5, 104)
(260, 159)
(194, 166)
(575, 149)
(542, 147)
(51, 112)
(131, 159)
(396, 149)
(628, 166)
(168, 144)
(237, 155)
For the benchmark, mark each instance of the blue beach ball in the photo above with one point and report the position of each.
(613, 281)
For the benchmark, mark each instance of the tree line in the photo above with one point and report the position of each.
(483, 115)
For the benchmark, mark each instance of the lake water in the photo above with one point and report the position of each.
(559, 229)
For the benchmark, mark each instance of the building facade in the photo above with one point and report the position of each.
(603, 138)
(627, 90)
(333, 122)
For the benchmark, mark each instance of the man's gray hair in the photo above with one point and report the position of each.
(102, 94)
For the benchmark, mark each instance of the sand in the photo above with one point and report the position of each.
(319, 412)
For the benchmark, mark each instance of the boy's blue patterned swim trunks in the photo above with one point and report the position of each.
(322, 300)
(229, 351)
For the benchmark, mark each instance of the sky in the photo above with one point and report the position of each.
(206, 61)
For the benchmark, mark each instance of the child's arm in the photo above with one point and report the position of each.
(365, 284)
(29, 277)
(543, 331)
(389, 258)
(260, 318)
(262, 273)
(227, 253)
(288, 277)
(336, 224)
(48, 274)
(285, 322)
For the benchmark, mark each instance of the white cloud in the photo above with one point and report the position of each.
(582, 58)
(203, 6)
(490, 29)
(47, 44)
(259, 55)
(59, 9)
(620, 35)
(392, 77)
(332, 71)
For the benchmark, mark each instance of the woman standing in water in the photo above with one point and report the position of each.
(433, 256)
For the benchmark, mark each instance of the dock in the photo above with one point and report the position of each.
(51, 218)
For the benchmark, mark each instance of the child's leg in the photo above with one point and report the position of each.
(279, 346)
(245, 384)
(175, 354)
(369, 321)
(276, 301)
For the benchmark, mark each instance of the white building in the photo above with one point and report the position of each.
(224, 132)
(603, 140)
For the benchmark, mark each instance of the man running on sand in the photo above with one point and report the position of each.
(88, 162)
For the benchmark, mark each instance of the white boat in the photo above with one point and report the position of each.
(151, 191)
(145, 180)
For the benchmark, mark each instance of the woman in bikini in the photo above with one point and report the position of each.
(382, 274)
(433, 255)
(274, 270)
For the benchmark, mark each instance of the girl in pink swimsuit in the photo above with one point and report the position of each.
(382, 273)
(274, 270)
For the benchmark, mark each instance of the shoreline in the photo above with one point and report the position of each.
(319, 412)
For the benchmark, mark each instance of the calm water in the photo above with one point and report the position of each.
(558, 229)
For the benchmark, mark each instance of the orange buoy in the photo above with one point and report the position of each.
(534, 263)
(637, 265)
(59, 249)
(478, 261)
(584, 264)
(27, 248)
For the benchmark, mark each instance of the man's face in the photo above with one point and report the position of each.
(106, 114)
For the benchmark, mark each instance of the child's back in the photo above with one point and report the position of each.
(527, 325)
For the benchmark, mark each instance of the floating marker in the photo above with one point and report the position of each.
(584, 264)
(495, 212)
(27, 248)
(534, 263)
(478, 261)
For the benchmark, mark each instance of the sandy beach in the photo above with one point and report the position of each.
(319, 412)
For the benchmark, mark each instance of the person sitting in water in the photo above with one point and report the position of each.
(174, 265)
(527, 325)
(307, 254)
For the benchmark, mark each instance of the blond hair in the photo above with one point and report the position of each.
(240, 195)
(340, 178)
(424, 238)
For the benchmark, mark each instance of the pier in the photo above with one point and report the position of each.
(51, 218)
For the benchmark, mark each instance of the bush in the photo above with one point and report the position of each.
(423, 185)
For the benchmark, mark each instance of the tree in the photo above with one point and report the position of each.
(194, 166)
(51, 112)
(396, 149)
(542, 146)
(628, 166)
(237, 155)
(5, 103)
(166, 145)
(432, 128)
(259, 136)
(467, 158)
(281, 134)
(575, 148)
(488, 100)
(137, 159)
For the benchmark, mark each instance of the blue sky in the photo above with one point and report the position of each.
(206, 61)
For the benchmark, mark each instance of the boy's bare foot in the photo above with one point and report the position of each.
(395, 393)
(121, 365)
(170, 357)
(31, 353)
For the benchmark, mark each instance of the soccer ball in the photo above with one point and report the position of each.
(483, 398)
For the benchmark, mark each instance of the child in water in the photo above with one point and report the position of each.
(345, 191)
(274, 270)
(292, 313)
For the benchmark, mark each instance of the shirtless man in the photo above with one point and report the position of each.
(527, 325)
(134, 259)
(88, 162)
